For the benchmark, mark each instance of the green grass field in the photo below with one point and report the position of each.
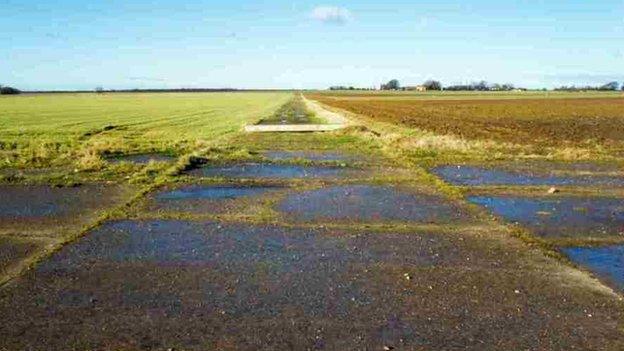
(46, 129)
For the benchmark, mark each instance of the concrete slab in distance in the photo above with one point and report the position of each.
(290, 128)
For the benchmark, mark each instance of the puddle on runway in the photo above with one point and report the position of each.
(368, 203)
(202, 199)
(477, 176)
(212, 192)
(273, 171)
(607, 262)
(559, 216)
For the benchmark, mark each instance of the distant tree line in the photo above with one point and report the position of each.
(101, 90)
(342, 87)
(391, 85)
(432, 85)
(611, 86)
(437, 85)
(6, 90)
(483, 86)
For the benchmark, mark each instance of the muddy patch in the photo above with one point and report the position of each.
(202, 285)
(10, 173)
(312, 156)
(274, 171)
(560, 216)
(48, 207)
(476, 176)
(206, 199)
(141, 159)
(12, 250)
(367, 203)
(606, 262)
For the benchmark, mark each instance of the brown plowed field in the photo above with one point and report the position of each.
(554, 121)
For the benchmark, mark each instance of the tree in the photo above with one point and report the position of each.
(391, 85)
(5, 90)
(481, 86)
(460, 87)
(432, 85)
(508, 87)
(611, 86)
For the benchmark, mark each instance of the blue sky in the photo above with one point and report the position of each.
(71, 44)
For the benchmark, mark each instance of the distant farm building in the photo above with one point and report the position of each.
(421, 88)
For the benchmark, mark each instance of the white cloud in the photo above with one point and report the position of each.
(331, 14)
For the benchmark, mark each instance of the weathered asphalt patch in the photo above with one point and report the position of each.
(559, 216)
(607, 262)
(241, 245)
(476, 176)
(273, 171)
(370, 203)
(203, 285)
(27, 207)
(205, 199)
(22, 202)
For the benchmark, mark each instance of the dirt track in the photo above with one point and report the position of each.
(521, 121)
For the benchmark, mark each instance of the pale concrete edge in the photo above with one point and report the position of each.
(335, 122)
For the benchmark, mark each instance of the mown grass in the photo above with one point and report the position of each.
(59, 129)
